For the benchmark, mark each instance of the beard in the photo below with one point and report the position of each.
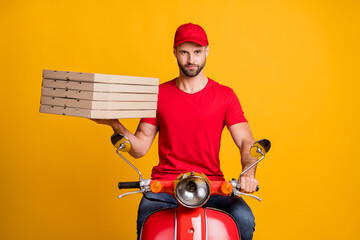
(191, 72)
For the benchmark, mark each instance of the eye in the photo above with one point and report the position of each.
(197, 52)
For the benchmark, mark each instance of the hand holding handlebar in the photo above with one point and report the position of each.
(248, 184)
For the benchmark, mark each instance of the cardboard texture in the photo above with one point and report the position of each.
(97, 114)
(87, 95)
(101, 78)
(99, 105)
(102, 96)
(99, 87)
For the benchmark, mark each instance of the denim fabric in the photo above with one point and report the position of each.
(236, 207)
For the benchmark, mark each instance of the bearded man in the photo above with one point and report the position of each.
(191, 115)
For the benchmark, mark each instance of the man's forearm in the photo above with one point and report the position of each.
(248, 181)
(119, 128)
(136, 150)
(247, 160)
(244, 140)
(140, 141)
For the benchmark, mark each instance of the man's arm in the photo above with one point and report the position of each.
(243, 139)
(140, 141)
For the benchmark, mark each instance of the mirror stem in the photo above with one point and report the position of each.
(117, 151)
(263, 156)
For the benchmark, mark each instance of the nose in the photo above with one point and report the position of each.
(191, 59)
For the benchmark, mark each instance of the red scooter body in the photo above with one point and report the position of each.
(189, 221)
(190, 224)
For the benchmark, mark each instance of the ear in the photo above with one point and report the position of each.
(207, 50)
(174, 51)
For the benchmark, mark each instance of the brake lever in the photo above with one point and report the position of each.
(236, 190)
(129, 193)
(238, 193)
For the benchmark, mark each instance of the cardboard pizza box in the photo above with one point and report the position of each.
(99, 87)
(100, 96)
(97, 114)
(93, 95)
(97, 105)
(100, 78)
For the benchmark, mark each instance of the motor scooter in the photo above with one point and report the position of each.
(189, 220)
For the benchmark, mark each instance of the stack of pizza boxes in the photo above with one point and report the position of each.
(98, 96)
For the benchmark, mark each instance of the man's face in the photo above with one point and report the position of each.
(191, 58)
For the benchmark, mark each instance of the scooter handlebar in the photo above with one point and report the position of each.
(123, 185)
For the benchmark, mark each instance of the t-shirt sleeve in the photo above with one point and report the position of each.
(234, 113)
(152, 121)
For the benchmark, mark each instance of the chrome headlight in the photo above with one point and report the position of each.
(192, 189)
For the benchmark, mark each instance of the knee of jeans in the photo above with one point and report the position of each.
(244, 218)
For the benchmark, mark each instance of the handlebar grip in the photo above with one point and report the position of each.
(123, 185)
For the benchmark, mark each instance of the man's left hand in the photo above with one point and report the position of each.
(248, 184)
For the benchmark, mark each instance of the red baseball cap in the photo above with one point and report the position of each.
(190, 33)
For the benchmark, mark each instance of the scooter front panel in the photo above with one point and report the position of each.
(191, 223)
(159, 225)
(221, 225)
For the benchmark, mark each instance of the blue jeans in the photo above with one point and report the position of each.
(236, 207)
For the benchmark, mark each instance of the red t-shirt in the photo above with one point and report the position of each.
(190, 128)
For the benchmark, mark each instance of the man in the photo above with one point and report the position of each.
(192, 112)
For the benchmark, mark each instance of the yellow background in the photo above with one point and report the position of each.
(293, 64)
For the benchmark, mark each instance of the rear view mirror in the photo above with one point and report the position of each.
(121, 142)
(260, 148)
